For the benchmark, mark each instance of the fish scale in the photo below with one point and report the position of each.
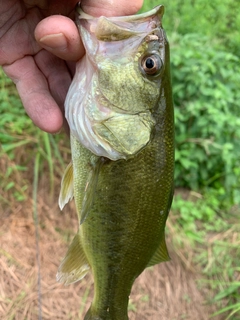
(139, 220)
(122, 199)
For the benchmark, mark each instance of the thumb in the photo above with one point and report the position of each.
(59, 35)
(111, 8)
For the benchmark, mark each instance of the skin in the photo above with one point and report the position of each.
(39, 45)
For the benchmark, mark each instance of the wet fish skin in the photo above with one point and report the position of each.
(122, 200)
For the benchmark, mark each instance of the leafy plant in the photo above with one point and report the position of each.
(216, 19)
(206, 95)
(204, 39)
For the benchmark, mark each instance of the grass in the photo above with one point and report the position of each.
(215, 240)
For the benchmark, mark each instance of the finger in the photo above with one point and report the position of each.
(49, 7)
(57, 74)
(17, 34)
(60, 36)
(111, 7)
(34, 93)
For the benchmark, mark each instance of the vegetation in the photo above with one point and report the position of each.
(205, 60)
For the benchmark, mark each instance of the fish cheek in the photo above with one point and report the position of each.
(125, 88)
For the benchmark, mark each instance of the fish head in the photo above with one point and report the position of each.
(111, 102)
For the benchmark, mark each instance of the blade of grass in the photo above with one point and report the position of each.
(84, 299)
(56, 152)
(35, 217)
(233, 306)
(234, 311)
(8, 147)
(49, 160)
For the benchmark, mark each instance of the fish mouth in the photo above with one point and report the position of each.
(120, 28)
(158, 10)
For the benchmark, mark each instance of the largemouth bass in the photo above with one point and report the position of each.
(120, 113)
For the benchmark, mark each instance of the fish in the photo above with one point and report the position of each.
(120, 113)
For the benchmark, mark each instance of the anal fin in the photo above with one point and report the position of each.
(161, 254)
(75, 265)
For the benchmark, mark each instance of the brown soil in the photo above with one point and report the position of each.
(168, 291)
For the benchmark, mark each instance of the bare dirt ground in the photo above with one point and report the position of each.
(168, 291)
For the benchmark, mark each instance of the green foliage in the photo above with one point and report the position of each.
(230, 292)
(215, 19)
(205, 41)
(197, 210)
(207, 118)
(200, 214)
(13, 121)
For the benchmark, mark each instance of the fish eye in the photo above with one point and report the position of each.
(151, 64)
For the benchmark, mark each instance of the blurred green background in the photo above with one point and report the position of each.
(205, 64)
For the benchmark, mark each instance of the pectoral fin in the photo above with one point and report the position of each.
(66, 192)
(160, 255)
(75, 265)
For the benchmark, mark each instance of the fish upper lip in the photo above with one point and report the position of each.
(132, 18)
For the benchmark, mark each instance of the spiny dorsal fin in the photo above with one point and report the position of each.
(66, 192)
(160, 255)
(75, 265)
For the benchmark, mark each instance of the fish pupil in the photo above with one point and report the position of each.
(149, 63)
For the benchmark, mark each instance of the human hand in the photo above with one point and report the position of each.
(38, 50)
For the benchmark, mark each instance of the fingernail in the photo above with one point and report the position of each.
(54, 41)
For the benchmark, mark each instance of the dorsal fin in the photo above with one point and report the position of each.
(160, 255)
(66, 192)
(75, 265)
